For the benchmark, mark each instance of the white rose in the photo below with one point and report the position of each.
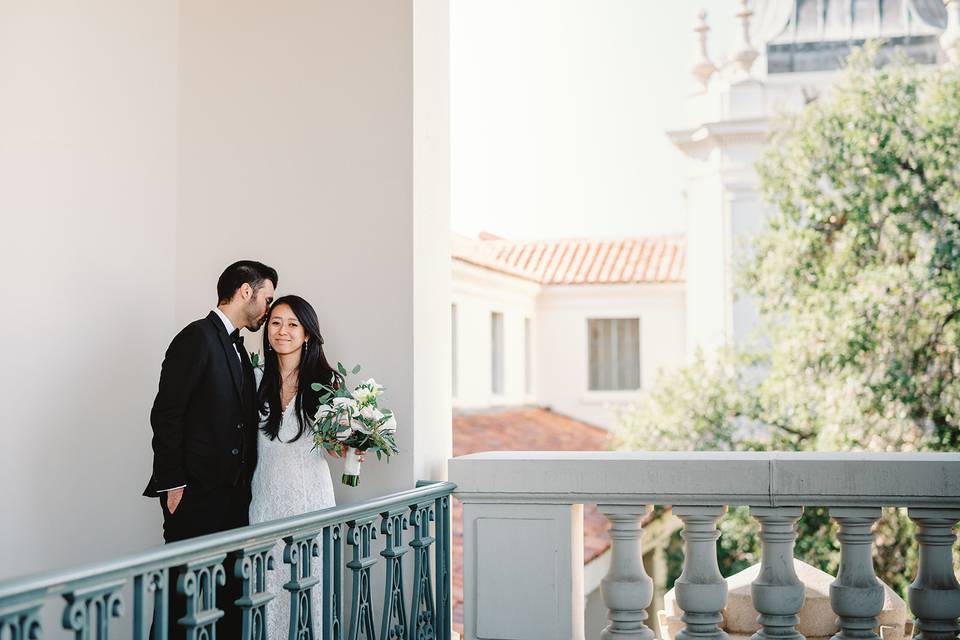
(377, 415)
(367, 413)
(375, 388)
(362, 394)
(349, 403)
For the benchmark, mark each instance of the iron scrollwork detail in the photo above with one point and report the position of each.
(89, 610)
(20, 623)
(198, 583)
(394, 623)
(251, 566)
(422, 613)
(299, 553)
(359, 535)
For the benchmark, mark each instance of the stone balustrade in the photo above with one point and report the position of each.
(523, 537)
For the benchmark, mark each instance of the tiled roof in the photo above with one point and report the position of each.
(524, 430)
(654, 259)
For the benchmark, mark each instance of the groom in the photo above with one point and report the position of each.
(204, 423)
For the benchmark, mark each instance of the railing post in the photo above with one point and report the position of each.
(443, 602)
(777, 592)
(627, 589)
(331, 627)
(155, 582)
(856, 596)
(935, 594)
(701, 590)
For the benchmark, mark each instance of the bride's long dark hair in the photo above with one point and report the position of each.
(313, 368)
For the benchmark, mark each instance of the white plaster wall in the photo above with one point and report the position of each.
(87, 206)
(477, 293)
(296, 147)
(562, 349)
(707, 278)
(147, 145)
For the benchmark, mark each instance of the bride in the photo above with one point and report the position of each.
(291, 478)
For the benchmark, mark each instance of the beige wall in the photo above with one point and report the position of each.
(562, 346)
(477, 293)
(296, 147)
(145, 146)
(87, 206)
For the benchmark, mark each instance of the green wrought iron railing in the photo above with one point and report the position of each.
(415, 521)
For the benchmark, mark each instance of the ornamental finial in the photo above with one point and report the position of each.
(703, 67)
(950, 38)
(745, 54)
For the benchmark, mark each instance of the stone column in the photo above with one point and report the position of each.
(935, 594)
(777, 592)
(627, 589)
(701, 590)
(856, 595)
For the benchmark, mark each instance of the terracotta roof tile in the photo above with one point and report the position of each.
(655, 259)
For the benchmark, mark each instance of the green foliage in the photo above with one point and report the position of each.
(856, 278)
(353, 419)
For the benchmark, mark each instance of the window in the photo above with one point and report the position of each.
(527, 357)
(496, 355)
(453, 348)
(614, 354)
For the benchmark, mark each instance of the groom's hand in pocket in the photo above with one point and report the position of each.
(173, 499)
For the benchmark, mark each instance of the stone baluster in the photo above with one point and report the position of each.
(627, 589)
(777, 592)
(935, 594)
(856, 595)
(701, 590)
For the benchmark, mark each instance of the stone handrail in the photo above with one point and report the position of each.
(522, 512)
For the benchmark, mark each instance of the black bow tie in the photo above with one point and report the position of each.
(237, 338)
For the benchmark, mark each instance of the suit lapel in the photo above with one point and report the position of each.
(230, 352)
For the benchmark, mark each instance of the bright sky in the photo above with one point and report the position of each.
(559, 108)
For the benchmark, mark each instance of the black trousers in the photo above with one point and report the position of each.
(201, 512)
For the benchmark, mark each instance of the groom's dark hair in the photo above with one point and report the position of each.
(240, 273)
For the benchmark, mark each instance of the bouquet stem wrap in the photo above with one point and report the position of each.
(351, 468)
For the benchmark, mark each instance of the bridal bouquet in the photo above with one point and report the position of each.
(351, 420)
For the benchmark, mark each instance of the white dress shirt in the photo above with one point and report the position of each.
(230, 329)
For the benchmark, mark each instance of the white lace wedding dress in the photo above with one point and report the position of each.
(291, 478)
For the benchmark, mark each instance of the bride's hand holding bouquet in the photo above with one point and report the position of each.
(350, 423)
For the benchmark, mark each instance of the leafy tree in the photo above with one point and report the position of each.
(856, 278)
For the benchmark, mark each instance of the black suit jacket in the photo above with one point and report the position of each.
(204, 417)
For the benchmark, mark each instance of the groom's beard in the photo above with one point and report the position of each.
(255, 320)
